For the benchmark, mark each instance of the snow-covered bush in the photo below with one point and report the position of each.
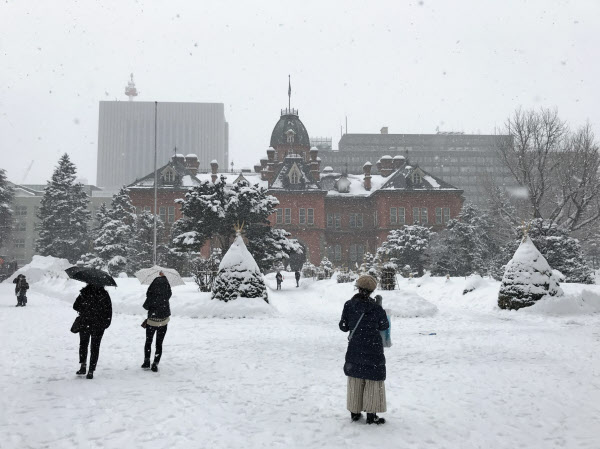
(239, 275)
(527, 279)
(205, 270)
(325, 268)
(345, 277)
(388, 276)
(309, 270)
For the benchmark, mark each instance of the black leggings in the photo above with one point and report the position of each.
(160, 336)
(84, 340)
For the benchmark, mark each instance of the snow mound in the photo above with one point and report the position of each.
(473, 282)
(239, 257)
(42, 267)
(585, 302)
(407, 304)
(187, 301)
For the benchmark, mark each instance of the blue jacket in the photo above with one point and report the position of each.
(364, 357)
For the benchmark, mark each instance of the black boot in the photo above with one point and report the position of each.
(146, 364)
(82, 370)
(90, 375)
(355, 416)
(154, 367)
(372, 418)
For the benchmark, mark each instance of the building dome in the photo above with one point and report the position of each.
(289, 127)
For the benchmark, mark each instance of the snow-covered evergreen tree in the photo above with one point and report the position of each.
(115, 237)
(6, 200)
(64, 215)
(239, 275)
(388, 276)
(212, 210)
(141, 250)
(527, 279)
(308, 270)
(466, 245)
(406, 246)
(562, 251)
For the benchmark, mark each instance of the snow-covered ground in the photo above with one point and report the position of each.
(461, 372)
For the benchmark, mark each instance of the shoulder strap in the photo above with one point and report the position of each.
(353, 330)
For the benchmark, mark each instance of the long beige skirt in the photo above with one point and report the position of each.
(366, 395)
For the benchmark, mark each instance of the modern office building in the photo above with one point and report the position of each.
(126, 137)
(466, 161)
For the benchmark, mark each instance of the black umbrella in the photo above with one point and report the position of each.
(91, 276)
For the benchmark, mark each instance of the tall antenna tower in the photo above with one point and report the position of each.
(130, 90)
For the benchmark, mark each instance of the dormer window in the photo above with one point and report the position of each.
(290, 135)
(168, 176)
(295, 175)
(416, 178)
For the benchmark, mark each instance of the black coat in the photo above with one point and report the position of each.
(94, 307)
(364, 357)
(157, 298)
(22, 285)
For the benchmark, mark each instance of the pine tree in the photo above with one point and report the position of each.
(466, 246)
(6, 200)
(238, 275)
(527, 279)
(407, 246)
(64, 215)
(115, 237)
(213, 210)
(141, 251)
(326, 267)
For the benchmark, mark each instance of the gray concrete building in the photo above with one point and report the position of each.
(21, 245)
(126, 137)
(467, 161)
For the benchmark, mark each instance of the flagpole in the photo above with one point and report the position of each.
(155, 187)
(289, 94)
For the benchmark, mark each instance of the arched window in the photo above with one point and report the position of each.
(416, 178)
(295, 178)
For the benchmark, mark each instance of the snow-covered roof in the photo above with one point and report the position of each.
(191, 155)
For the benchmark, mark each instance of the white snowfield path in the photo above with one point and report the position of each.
(488, 379)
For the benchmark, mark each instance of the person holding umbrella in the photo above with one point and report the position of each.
(95, 314)
(159, 312)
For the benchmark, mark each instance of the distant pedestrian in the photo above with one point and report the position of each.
(365, 361)
(159, 312)
(95, 310)
(21, 288)
(297, 275)
(279, 279)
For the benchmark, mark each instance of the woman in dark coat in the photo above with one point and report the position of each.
(159, 311)
(95, 309)
(21, 288)
(365, 361)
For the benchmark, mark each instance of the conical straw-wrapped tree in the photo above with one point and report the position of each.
(238, 275)
(527, 278)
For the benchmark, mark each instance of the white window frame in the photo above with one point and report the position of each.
(424, 216)
(287, 213)
(416, 215)
(393, 215)
(19, 243)
(279, 216)
(337, 218)
(330, 220)
(338, 252)
(401, 216)
(302, 215)
(438, 216)
(446, 213)
(310, 216)
(162, 213)
(171, 214)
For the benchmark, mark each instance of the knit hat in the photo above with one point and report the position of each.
(366, 282)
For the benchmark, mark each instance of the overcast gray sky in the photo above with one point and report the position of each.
(412, 66)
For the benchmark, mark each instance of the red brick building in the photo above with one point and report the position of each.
(337, 215)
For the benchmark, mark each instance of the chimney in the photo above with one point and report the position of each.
(378, 165)
(398, 162)
(314, 164)
(257, 168)
(367, 172)
(191, 164)
(214, 166)
(384, 130)
(387, 166)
